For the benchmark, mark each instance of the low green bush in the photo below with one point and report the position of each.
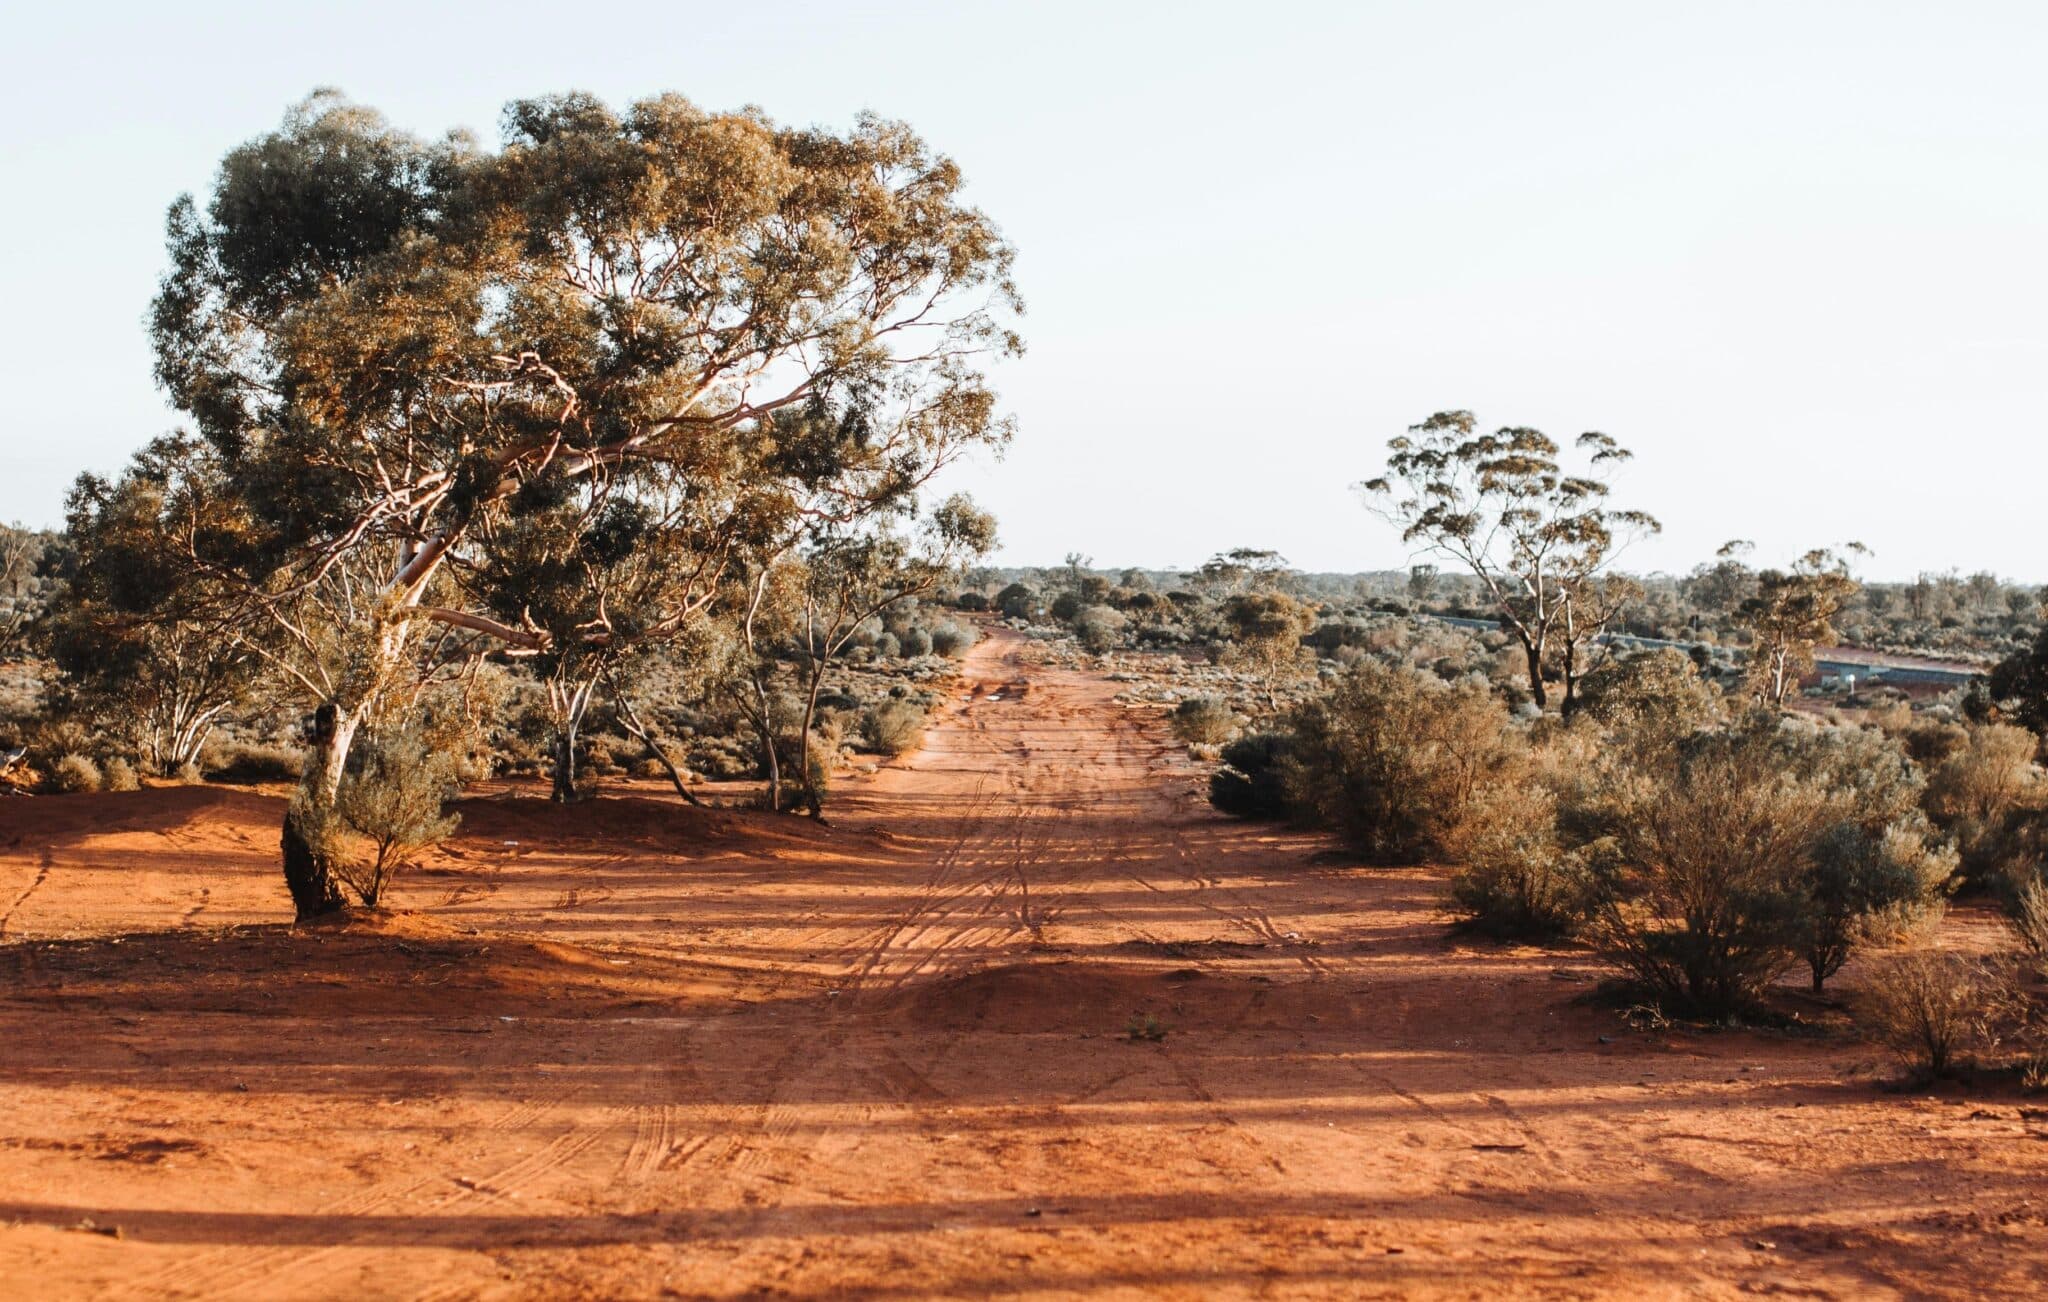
(952, 640)
(893, 727)
(120, 775)
(75, 773)
(1255, 778)
(253, 762)
(1204, 720)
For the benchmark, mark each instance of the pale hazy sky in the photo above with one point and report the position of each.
(1791, 253)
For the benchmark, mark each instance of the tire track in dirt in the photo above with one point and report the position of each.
(673, 1082)
(1246, 914)
(1000, 876)
(45, 863)
(227, 1271)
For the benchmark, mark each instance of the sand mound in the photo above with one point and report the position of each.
(661, 824)
(46, 820)
(359, 963)
(1073, 996)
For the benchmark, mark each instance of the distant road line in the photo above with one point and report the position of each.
(1833, 659)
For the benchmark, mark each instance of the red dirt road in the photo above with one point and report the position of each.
(634, 1050)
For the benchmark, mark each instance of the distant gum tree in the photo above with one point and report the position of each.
(1538, 538)
(393, 344)
(143, 636)
(850, 579)
(1585, 614)
(1791, 612)
(22, 584)
(1245, 569)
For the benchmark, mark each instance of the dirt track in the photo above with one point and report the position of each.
(637, 1050)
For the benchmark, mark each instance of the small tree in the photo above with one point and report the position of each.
(1792, 612)
(1265, 631)
(24, 584)
(1018, 601)
(396, 803)
(2017, 688)
(1422, 582)
(144, 635)
(1721, 588)
(620, 565)
(1245, 569)
(1585, 613)
(1503, 506)
(851, 577)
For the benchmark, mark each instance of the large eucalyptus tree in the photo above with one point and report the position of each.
(396, 346)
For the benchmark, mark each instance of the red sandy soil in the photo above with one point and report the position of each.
(632, 1049)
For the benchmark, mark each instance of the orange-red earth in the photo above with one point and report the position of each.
(1027, 1019)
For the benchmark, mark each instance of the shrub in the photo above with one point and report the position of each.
(1017, 601)
(1649, 697)
(1337, 635)
(1515, 878)
(887, 647)
(723, 759)
(1930, 1006)
(1100, 628)
(805, 786)
(121, 776)
(1928, 741)
(395, 802)
(1863, 882)
(605, 754)
(893, 727)
(2028, 916)
(952, 639)
(1144, 1028)
(1394, 758)
(1067, 607)
(1986, 792)
(971, 601)
(1204, 720)
(1739, 854)
(916, 642)
(75, 773)
(1255, 778)
(250, 762)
